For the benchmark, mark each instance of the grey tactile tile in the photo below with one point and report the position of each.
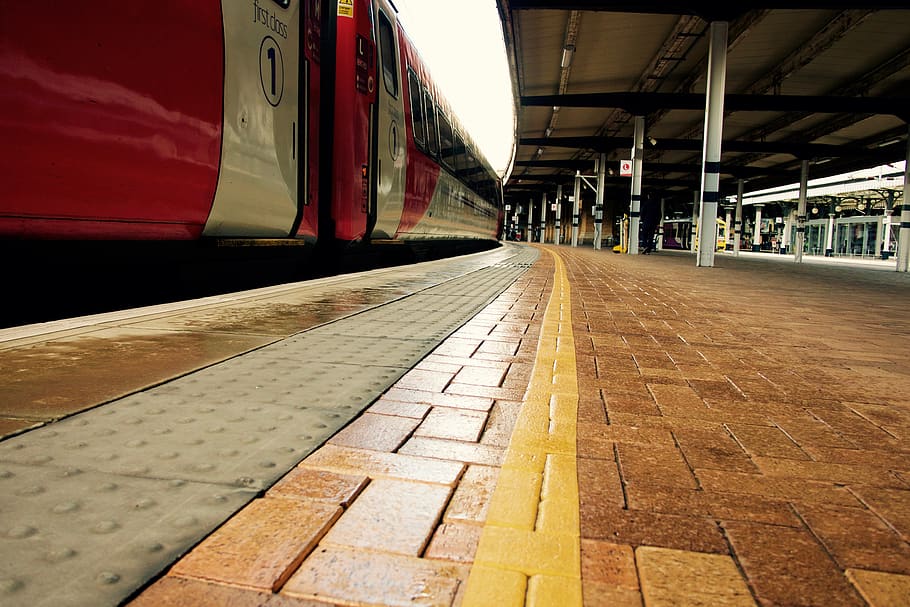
(77, 537)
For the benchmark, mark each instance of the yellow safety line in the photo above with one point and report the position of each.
(529, 551)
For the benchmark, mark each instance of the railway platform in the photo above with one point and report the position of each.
(532, 425)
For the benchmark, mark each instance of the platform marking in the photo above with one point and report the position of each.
(529, 551)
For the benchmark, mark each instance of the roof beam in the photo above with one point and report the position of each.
(642, 104)
(608, 144)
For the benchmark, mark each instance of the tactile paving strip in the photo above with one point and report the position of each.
(225, 431)
(76, 537)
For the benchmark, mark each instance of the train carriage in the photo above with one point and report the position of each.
(199, 121)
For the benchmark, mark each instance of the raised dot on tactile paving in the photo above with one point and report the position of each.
(66, 507)
(108, 577)
(59, 555)
(144, 503)
(19, 532)
(10, 585)
(103, 527)
(31, 490)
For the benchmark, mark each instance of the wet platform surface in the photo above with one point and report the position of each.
(603, 430)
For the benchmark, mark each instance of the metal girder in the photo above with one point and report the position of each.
(642, 104)
(606, 144)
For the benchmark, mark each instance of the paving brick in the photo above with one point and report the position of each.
(417, 379)
(391, 516)
(376, 432)
(713, 504)
(458, 346)
(857, 538)
(766, 441)
(713, 449)
(500, 423)
(491, 374)
(471, 499)
(369, 578)
(597, 595)
(881, 589)
(176, 591)
(260, 546)
(485, 391)
(386, 406)
(458, 451)
(806, 430)
(640, 528)
(654, 465)
(677, 577)
(374, 464)
(307, 484)
(593, 436)
(599, 484)
(787, 566)
(790, 489)
(507, 347)
(455, 424)
(608, 564)
(892, 505)
(638, 404)
(454, 542)
(439, 399)
(876, 476)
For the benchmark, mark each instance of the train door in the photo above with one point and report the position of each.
(257, 192)
(389, 129)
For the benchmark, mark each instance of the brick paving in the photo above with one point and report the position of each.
(743, 438)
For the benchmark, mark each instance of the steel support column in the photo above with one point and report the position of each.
(714, 126)
(635, 208)
(801, 212)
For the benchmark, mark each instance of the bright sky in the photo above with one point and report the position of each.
(462, 45)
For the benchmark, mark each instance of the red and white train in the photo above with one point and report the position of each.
(191, 120)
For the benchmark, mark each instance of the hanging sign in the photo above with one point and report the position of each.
(625, 168)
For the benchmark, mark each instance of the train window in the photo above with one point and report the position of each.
(446, 142)
(389, 63)
(460, 167)
(417, 115)
(432, 136)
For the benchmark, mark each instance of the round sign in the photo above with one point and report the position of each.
(271, 70)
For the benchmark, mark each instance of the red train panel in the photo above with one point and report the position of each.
(112, 130)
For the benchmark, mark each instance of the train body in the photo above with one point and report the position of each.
(188, 120)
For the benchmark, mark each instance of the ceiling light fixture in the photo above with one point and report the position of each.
(567, 54)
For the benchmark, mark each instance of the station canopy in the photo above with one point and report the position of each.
(824, 82)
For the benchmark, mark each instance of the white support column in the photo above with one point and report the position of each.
(738, 222)
(599, 203)
(786, 246)
(903, 236)
(530, 228)
(543, 217)
(576, 200)
(728, 219)
(557, 233)
(801, 212)
(714, 127)
(886, 226)
(756, 231)
(829, 236)
(660, 226)
(635, 208)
